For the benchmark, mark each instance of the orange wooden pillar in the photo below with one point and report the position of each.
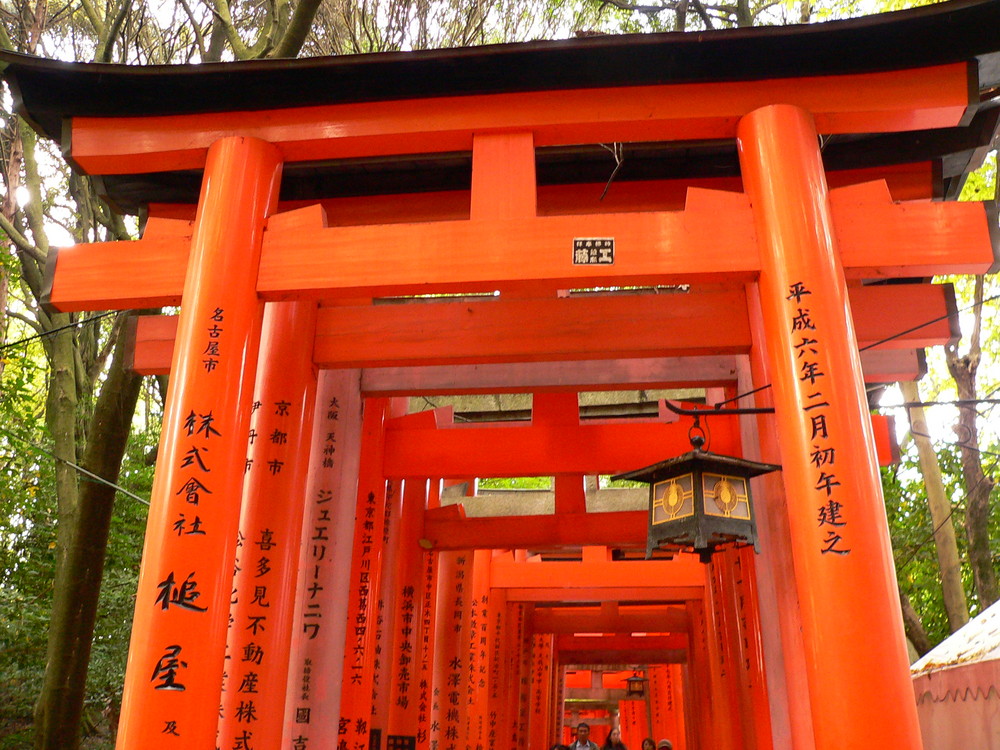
(317, 655)
(539, 728)
(633, 721)
(478, 650)
(517, 654)
(450, 650)
(749, 657)
(499, 670)
(403, 674)
(781, 628)
(850, 607)
(666, 704)
(385, 608)
(736, 620)
(365, 582)
(263, 601)
(173, 680)
(428, 628)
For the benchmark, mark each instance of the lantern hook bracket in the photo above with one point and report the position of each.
(714, 410)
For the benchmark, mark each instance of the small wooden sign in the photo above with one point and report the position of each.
(594, 251)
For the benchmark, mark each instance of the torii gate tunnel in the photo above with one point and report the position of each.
(303, 586)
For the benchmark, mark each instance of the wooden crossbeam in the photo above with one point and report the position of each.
(599, 655)
(633, 326)
(684, 570)
(521, 449)
(619, 642)
(657, 594)
(569, 620)
(859, 103)
(625, 528)
(301, 258)
(880, 366)
(906, 182)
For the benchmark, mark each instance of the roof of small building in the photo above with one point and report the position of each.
(977, 641)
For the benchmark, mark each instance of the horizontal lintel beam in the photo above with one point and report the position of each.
(858, 103)
(660, 594)
(302, 258)
(568, 620)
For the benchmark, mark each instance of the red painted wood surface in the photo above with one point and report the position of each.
(860, 103)
(843, 563)
(582, 328)
(367, 552)
(302, 258)
(274, 498)
(173, 680)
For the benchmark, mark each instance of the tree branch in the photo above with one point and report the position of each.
(20, 240)
(298, 29)
(105, 52)
(647, 9)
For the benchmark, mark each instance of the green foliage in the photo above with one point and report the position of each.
(516, 483)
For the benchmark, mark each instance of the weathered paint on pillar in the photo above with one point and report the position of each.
(365, 582)
(851, 622)
(173, 679)
(263, 601)
(539, 729)
(409, 584)
(319, 630)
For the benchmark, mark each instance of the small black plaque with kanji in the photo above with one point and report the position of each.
(594, 251)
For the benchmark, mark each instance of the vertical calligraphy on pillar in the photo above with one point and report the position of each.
(270, 524)
(541, 689)
(319, 625)
(427, 640)
(499, 693)
(173, 679)
(831, 515)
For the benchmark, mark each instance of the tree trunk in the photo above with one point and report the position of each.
(80, 566)
(913, 627)
(978, 486)
(949, 562)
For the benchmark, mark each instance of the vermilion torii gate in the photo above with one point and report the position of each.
(774, 194)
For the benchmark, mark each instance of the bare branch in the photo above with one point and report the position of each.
(20, 240)
(104, 53)
(198, 36)
(298, 29)
(645, 9)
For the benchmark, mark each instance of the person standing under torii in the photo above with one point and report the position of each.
(583, 741)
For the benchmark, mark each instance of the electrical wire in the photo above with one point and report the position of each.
(57, 330)
(879, 343)
(89, 474)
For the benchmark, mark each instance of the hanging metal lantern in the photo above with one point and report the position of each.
(700, 501)
(635, 686)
